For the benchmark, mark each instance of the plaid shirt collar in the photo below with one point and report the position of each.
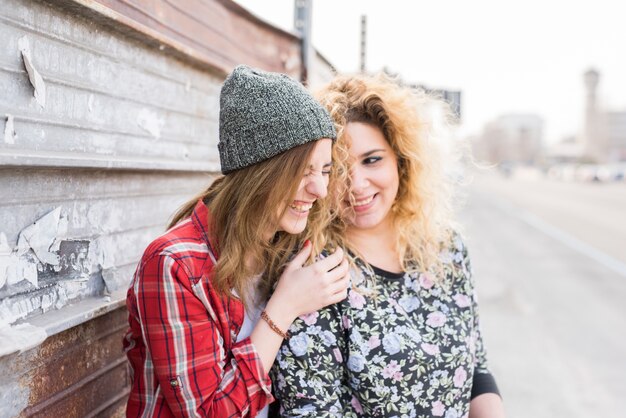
(200, 220)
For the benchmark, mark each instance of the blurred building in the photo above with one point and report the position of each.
(615, 135)
(451, 97)
(603, 137)
(321, 72)
(513, 138)
(568, 150)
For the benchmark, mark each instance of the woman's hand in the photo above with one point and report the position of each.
(302, 290)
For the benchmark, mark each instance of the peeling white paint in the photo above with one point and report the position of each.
(57, 297)
(96, 254)
(188, 86)
(150, 122)
(5, 259)
(33, 75)
(9, 131)
(41, 236)
(25, 269)
(61, 232)
(11, 312)
(46, 302)
(61, 298)
(21, 267)
(72, 289)
(110, 279)
(20, 338)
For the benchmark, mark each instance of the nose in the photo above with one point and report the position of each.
(358, 180)
(317, 185)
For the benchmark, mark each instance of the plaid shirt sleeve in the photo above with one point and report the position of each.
(195, 373)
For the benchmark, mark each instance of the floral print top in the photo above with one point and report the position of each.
(400, 345)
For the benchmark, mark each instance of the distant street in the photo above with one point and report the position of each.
(550, 262)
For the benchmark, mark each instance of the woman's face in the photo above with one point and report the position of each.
(373, 177)
(313, 186)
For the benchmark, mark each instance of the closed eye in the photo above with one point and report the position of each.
(325, 171)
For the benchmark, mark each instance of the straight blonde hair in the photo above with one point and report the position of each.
(243, 206)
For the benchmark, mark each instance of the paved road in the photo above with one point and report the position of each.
(550, 261)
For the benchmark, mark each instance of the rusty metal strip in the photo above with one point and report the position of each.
(41, 407)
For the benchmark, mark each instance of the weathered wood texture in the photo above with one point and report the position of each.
(216, 33)
(127, 133)
(110, 102)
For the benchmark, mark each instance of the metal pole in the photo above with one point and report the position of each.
(363, 42)
(302, 25)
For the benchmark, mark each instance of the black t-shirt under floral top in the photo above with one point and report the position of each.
(401, 345)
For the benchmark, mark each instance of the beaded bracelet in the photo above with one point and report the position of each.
(273, 326)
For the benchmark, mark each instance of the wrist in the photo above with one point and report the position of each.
(280, 313)
(284, 334)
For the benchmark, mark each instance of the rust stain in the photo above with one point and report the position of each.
(79, 372)
(84, 397)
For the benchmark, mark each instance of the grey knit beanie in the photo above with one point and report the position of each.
(263, 114)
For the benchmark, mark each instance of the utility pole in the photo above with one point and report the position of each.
(363, 42)
(303, 11)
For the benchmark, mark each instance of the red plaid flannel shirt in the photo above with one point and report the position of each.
(181, 342)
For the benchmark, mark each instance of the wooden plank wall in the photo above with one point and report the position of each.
(128, 131)
(217, 33)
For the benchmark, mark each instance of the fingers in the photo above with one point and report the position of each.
(302, 256)
(331, 261)
(335, 285)
(340, 286)
(338, 289)
(340, 294)
(340, 271)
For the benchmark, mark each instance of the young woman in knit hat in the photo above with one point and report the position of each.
(406, 342)
(196, 345)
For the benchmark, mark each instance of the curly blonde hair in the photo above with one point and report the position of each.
(422, 211)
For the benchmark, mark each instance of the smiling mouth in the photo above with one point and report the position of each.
(362, 202)
(301, 207)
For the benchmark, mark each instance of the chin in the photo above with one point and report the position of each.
(367, 222)
(294, 229)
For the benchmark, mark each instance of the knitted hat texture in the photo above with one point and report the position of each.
(263, 114)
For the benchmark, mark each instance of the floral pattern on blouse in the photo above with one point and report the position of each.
(410, 349)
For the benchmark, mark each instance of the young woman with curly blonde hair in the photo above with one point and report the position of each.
(406, 342)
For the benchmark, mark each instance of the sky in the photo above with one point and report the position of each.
(505, 56)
